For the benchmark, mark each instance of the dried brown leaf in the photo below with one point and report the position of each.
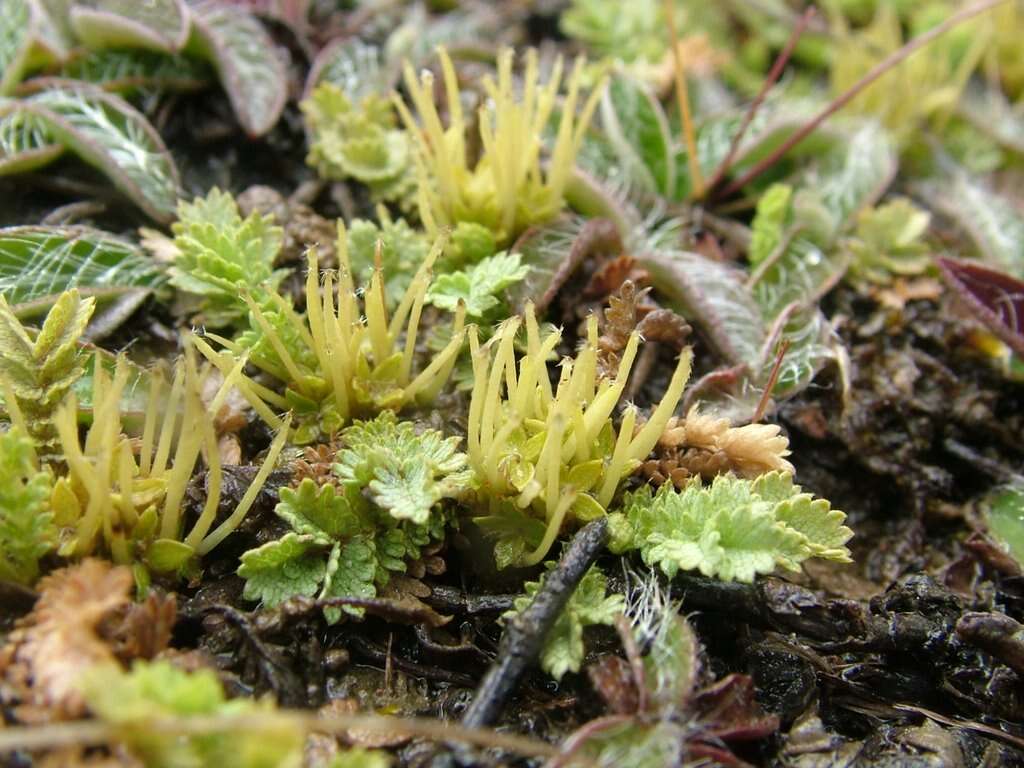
(708, 446)
(61, 637)
(665, 327)
(609, 277)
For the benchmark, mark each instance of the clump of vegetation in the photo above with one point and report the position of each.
(360, 141)
(588, 606)
(133, 508)
(733, 529)
(551, 456)
(506, 189)
(345, 357)
(27, 530)
(36, 373)
(221, 257)
(381, 511)
(253, 438)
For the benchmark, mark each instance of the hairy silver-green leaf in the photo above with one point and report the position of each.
(713, 294)
(25, 144)
(246, 60)
(637, 128)
(988, 110)
(127, 71)
(160, 25)
(28, 39)
(38, 263)
(111, 135)
(855, 173)
(991, 220)
(15, 42)
(353, 66)
(800, 273)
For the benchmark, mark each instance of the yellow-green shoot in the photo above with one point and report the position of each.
(345, 357)
(553, 453)
(124, 496)
(509, 188)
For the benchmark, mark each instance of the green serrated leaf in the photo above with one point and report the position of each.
(730, 531)
(27, 529)
(221, 256)
(405, 473)
(563, 645)
(292, 566)
(770, 221)
(480, 286)
(351, 572)
(39, 372)
(160, 691)
(318, 511)
(403, 249)
(245, 58)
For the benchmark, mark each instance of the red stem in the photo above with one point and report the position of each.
(841, 101)
(773, 76)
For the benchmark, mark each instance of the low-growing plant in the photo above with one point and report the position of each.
(506, 189)
(221, 256)
(549, 457)
(588, 605)
(384, 507)
(132, 508)
(27, 530)
(733, 529)
(37, 371)
(360, 141)
(344, 357)
(158, 690)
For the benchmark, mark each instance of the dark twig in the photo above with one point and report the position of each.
(773, 76)
(524, 636)
(842, 100)
(452, 600)
(379, 655)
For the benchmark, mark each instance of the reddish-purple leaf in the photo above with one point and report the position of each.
(995, 298)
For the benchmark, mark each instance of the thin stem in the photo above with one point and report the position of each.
(841, 101)
(766, 396)
(773, 76)
(91, 732)
(683, 97)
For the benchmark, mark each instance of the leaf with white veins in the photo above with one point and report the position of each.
(160, 25)
(108, 133)
(246, 60)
